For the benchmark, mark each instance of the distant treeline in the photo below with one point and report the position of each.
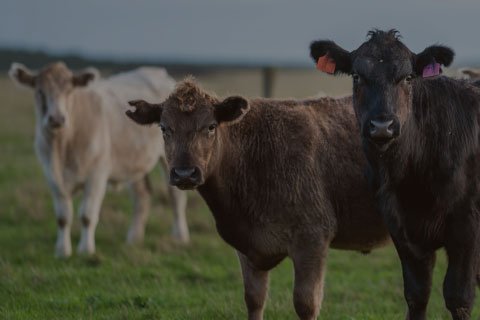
(38, 59)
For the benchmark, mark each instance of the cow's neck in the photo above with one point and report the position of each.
(436, 141)
(223, 173)
(231, 188)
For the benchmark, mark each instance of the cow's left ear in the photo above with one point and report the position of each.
(145, 113)
(440, 54)
(85, 77)
(231, 110)
(332, 53)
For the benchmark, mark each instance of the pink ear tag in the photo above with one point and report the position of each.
(431, 70)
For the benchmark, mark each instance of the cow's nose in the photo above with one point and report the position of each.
(185, 177)
(381, 129)
(184, 172)
(56, 121)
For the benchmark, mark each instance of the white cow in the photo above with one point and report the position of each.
(83, 140)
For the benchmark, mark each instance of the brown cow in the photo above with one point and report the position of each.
(281, 177)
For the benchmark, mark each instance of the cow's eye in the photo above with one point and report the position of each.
(409, 78)
(165, 131)
(212, 127)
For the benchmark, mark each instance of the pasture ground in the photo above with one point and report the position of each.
(163, 279)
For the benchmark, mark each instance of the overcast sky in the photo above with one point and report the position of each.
(236, 31)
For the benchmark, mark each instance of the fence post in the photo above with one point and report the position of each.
(268, 81)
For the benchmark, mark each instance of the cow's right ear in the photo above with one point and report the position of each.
(21, 75)
(332, 52)
(145, 113)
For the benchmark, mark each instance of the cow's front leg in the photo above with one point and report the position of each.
(417, 268)
(90, 210)
(309, 261)
(255, 283)
(462, 250)
(64, 215)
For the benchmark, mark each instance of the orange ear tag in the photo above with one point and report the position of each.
(326, 64)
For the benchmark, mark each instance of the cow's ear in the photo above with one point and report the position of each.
(331, 52)
(145, 113)
(22, 76)
(433, 54)
(85, 77)
(231, 110)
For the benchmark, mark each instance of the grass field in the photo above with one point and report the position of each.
(163, 279)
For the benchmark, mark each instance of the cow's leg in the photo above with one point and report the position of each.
(459, 284)
(178, 201)
(255, 282)
(417, 268)
(64, 214)
(309, 262)
(141, 194)
(90, 210)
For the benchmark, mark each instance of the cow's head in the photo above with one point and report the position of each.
(383, 71)
(192, 122)
(52, 86)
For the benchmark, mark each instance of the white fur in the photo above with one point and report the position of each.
(99, 143)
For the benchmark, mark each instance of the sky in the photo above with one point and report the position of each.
(241, 31)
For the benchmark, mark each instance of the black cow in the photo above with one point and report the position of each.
(421, 139)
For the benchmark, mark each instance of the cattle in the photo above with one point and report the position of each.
(473, 75)
(282, 178)
(420, 134)
(470, 73)
(83, 140)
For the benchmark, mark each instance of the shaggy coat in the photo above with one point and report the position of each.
(423, 167)
(283, 178)
(83, 140)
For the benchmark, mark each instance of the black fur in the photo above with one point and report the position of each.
(440, 54)
(426, 175)
(339, 55)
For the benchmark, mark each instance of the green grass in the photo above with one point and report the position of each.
(161, 279)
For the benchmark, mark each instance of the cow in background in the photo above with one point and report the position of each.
(470, 73)
(83, 140)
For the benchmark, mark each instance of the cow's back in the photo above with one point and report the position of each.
(134, 149)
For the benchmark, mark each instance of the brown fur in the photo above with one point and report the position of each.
(285, 180)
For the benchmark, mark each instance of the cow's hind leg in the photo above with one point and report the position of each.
(89, 211)
(255, 284)
(178, 201)
(64, 214)
(141, 195)
(309, 261)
